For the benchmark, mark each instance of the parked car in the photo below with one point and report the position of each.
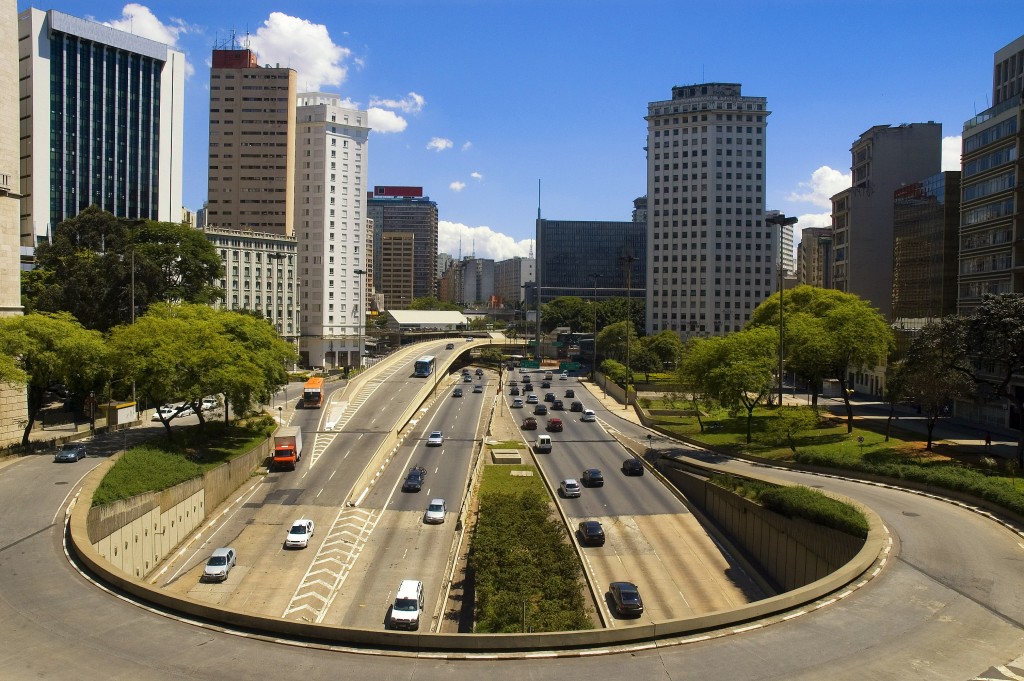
(549, 397)
(569, 488)
(529, 423)
(592, 478)
(557, 404)
(434, 514)
(435, 439)
(517, 403)
(570, 393)
(70, 452)
(588, 415)
(632, 467)
(167, 411)
(626, 598)
(540, 410)
(457, 392)
(576, 406)
(555, 425)
(532, 399)
(209, 403)
(478, 388)
(299, 534)
(591, 533)
(219, 565)
(414, 479)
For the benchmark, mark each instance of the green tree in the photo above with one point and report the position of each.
(612, 339)
(615, 310)
(52, 348)
(567, 311)
(644, 360)
(788, 422)
(432, 303)
(665, 344)
(99, 264)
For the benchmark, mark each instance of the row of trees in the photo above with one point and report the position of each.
(175, 352)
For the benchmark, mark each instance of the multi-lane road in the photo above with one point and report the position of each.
(948, 605)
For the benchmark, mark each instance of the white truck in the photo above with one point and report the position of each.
(287, 448)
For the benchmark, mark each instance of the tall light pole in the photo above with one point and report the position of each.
(593, 364)
(359, 320)
(629, 260)
(780, 221)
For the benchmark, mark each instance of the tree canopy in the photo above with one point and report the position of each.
(432, 303)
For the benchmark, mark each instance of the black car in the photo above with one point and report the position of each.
(70, 453)
(626, 598)
(540, 410)
(592, 478)
(545, 384)
(570, 393)
(557, 404)
(591, 533)
(549, 397)
(576, 406)
(457, 392)
(632, 467)
(414, 480)
(513, 391)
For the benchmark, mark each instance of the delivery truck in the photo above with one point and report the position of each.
(287, 448)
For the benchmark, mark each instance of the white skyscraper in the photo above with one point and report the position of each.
(330, 227)
(710, 257)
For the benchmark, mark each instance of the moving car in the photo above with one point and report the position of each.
(450, 346)
(632, 467)
(478, 388)
(540, 410)
(588, 415)
(557, 404)
(529, 423)
(209, 404)
(414, 479)
(576, 406)
(479, 371)
(569, 488)
(570, 393)
(591, 533)
(70, 453)
(542, 444)
(592, 478)
(435, 439)
(298, 536)
(457, 392)
(532, 399)
(466, 378)
(517, 403)
(545, 384)
(563, 376)
(555, 425)
(549, 397)
(408, 606)
(513, 390)
(626, 598)
(219, 565)
(167, 411)
(547, 375)
(435, 512)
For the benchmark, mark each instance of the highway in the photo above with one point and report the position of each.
(947, 605)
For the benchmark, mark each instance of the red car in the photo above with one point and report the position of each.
(555, 425)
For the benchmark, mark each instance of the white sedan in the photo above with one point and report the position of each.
(435, 439)
(298, 536)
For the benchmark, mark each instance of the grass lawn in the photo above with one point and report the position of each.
(498, 479)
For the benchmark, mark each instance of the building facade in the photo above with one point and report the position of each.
(814, 257)
(884, 158)
(405, 209)
(711, 256)
(510, 279)
(616, 253)
(331, 229)
(397, 269)
(102, 116)
(251, 173)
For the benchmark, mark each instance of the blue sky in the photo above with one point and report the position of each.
(478, 100)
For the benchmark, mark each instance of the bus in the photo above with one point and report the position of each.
(313, 393)
(424, 366)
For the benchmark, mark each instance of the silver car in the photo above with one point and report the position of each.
(219, 565)
(435, 512)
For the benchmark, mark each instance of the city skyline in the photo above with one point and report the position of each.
(541, 109)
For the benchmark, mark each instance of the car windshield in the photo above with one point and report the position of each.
(435, 508)
(217, 560)
(298, 529)
(69, 448)
(406, 604)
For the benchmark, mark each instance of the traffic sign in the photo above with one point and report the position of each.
(529, 364)
(569, 366)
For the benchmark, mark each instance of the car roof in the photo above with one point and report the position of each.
(302, 521)
(570, 481)
(435, 432)
(591, 523)
(222, 551)
(624, 586)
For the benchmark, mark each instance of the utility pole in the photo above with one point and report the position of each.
(780, 221)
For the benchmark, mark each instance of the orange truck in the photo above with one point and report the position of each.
(313, 393)
(287, 448)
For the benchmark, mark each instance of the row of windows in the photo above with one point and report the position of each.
(703, 246)
(990, 211)
(996, 184)
(985, 137)
(704, 211)
(990, 160)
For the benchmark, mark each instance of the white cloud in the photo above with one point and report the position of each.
(951, 148)
(384, 121)
(813, 220)
(304, 46)
(439, 144)
(824, 183)
(457, 186)
(139, 20)
(411, 103)
(466, 146)
(476, 176)
(484, 242)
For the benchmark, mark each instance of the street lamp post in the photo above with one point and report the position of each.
(359, 320)
(593, 364)
(780, 221)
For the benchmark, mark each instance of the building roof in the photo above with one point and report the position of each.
(428, 317)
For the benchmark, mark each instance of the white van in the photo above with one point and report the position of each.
(543, 444)
(405, 613)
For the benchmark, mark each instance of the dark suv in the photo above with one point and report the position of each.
(632, 467)
(592, 478)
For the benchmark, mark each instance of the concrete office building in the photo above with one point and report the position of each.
(13, 403)
(405, 209)
(260, 275)
(712, 258)
(510, 278)
(814, 257)
(251, 180)
(330, 225)
(883, 159)
(397, 265)
(470, 282)
(571, 252)
(102, 116)
(787, 256)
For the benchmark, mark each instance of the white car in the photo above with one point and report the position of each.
(298, 536)
(167, 411)
(569, 488)
(435, 439)
(563, 376)
(435, 512)
(532, 399)
(588, 415)
(219, 565)
(209, 403)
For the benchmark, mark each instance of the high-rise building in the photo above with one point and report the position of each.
(444, 261)
(251, 174)
(814, 257)
(711, 255)
(992, 217)
(510, 278)
(330, 225)
(470, 282)
(397, 263)
(786, 244)
(884, 158)
(102, 115)
(405, 209)
(13, 405)
(616, 252)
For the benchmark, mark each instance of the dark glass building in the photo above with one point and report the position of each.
(405, 210)
(571, 252)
